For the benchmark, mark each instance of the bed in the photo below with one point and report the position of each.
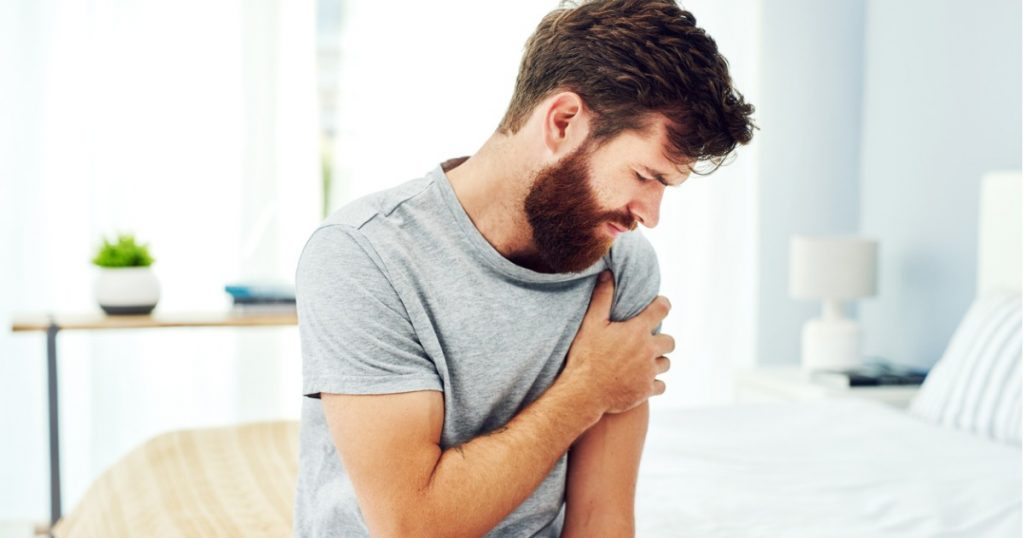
(834, 468)
(225, 481)
(860, 468)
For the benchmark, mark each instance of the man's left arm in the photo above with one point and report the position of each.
(604, 461)
(602, 473)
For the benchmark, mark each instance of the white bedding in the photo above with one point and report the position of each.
(822, 469)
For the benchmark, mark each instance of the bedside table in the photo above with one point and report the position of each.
(790, 383)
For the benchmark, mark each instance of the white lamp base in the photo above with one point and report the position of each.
(832, 344)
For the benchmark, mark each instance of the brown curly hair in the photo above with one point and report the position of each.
(629, 60)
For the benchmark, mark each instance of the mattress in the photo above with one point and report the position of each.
(834, 468)
(830, 468)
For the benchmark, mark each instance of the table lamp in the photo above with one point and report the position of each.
(832, 269)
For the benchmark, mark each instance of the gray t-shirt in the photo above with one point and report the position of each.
(398, 291)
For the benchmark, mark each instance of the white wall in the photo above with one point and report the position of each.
(423, 87)
(809, 114)
(942, 105)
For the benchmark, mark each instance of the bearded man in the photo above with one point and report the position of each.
(479, 344)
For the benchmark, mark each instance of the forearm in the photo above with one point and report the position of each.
(602, 476)
(476, 485)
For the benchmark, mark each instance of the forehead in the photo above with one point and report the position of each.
(644, 148)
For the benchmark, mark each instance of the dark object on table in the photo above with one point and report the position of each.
(872, 374)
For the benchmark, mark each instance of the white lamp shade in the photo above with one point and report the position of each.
(839, 268)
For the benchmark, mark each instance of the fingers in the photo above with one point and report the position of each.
(662, 364)
(663, 343)
(655, 312)
(601, 300)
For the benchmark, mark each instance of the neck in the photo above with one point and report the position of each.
(492, 186)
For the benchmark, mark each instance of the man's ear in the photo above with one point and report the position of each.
(566, 123)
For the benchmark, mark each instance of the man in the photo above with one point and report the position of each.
(479, 344)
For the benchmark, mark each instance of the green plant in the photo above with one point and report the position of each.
(124, 253)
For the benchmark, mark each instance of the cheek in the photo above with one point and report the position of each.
(609, 196)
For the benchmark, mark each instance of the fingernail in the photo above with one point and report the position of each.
(605, 276)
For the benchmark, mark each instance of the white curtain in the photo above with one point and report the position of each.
(433, 83)
(707, 238)
(193, 125)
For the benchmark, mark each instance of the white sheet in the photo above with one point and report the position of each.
(833, 468)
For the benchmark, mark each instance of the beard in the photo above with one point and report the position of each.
(568, 223)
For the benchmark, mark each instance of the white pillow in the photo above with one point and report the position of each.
(976, 385)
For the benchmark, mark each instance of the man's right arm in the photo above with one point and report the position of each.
(408, 486)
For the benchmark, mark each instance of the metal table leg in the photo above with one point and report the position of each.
(51, 378)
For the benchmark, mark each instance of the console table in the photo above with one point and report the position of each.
(51, 324)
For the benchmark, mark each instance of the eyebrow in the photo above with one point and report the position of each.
(660, 176)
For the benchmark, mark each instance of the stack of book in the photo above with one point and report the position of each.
(872, 374)
(261, 297)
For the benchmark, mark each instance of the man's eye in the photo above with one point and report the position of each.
(642, 178)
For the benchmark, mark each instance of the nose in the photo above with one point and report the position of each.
(646, 206)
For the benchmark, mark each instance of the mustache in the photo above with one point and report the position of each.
(624, 220)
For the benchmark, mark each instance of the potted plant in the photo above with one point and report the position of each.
(126, 284)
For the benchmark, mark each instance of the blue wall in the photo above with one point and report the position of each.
(879, 118)
(809, 115)
(942, 105)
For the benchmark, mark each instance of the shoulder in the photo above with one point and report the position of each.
(634, 264)
(633, 252)
(351, 235)
(379, 204)
(335, 254)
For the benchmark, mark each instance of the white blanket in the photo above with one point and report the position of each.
(833, 468)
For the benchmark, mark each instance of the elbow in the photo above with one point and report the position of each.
(422, 514)
(397, 522)
(402, 521)
(431, 527)
(403, 528)
(613, 527)
(425, 526)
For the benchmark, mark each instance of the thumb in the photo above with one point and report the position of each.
(601, 300)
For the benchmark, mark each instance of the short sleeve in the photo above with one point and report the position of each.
(634, 264)
(355, 334)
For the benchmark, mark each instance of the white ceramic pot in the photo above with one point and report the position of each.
(127, 290)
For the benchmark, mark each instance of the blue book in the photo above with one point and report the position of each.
(260, 291)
